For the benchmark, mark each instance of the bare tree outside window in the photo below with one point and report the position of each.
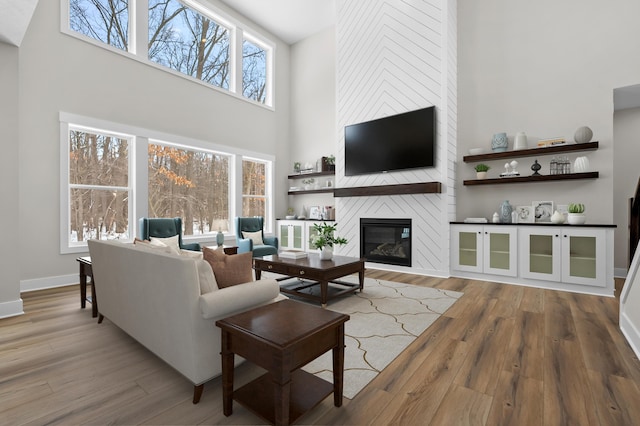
(190, 184)
(188, 42)
(254, 72)
(254, 188)
(103, 20)
(98, 186)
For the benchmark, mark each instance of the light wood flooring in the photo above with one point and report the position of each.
(502, 355)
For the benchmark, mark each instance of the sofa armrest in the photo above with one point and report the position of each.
(229, 300)
(271, 241)
(245, 245)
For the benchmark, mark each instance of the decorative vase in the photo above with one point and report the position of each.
(581, 165)
(557, 218)
(520, 141)
(583, 135)
(326, 253)
(481, 175)
(505, 212)
(220, 238)
(536, 167)
(576, 218)
(500, 142)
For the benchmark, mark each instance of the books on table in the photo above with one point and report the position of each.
(292, 254)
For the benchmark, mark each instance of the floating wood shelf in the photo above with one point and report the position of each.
(589, 146)
(402, 189)
(541, 178)
(310, 175)
(311, 191)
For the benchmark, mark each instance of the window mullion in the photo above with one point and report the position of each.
(139, 24)
(236, 60)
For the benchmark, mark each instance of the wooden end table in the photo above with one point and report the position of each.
(87, 271)
(315, 272)
(281, 337)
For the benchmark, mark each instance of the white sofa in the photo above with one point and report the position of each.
(156, 298)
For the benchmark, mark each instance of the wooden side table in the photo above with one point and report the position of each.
(281, 337)
(86, 271)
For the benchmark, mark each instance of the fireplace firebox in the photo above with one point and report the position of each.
(386, 241)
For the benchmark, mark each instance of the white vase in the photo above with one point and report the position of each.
(481, 175)
(326, 253)
(581, 165)
(520, 141)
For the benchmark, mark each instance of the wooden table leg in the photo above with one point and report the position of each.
(361, 277)
(338, 367)
(83, 286)
(324, 291)
(227, 375)
(94, 299)
(282, 396)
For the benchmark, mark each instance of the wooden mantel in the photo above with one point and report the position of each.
(401, 189)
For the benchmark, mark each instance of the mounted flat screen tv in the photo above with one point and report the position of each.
(398, 142)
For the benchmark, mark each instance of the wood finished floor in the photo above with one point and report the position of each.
(502, 355)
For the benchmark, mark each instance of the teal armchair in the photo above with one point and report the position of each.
(164, 228)
(254, 224)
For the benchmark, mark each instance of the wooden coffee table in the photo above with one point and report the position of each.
(316, 273)
(281, 337)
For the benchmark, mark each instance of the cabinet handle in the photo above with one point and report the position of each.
(301, 272)
(557, 235)
(270, 267)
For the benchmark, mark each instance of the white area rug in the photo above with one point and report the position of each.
(384, 319)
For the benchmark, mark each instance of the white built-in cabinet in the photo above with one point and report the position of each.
(485, 249)
(572, 258)
(296, 234)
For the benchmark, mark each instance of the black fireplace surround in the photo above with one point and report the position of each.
(386, 241)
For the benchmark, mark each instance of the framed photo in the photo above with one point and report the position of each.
(315, 212)
(525, 214)
(542, 210)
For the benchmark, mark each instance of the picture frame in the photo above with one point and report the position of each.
(315, 213)
(542, 211)
(525, 214)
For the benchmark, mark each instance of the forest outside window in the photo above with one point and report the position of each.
(99, 187)
(255, 175)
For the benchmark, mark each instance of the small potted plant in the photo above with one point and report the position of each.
(290, 214)
(576, 214)
(329, 163)
(307, 183)
(481, 170)
(324, 239)
(296, 167)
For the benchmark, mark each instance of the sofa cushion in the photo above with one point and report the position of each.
(229, 269)
(171, 242)
(256, 237)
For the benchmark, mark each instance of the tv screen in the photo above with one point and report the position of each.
(397, 142)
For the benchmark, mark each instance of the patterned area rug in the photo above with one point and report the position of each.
(385, 318)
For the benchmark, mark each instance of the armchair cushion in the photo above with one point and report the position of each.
(229, 269)
(255, 237)
(171, 242)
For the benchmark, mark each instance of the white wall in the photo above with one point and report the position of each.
(394, 57)
(61, 73)
(545, 68)
(626, 132)
(10, 302)
(313, 109)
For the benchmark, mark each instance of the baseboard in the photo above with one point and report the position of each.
(11, 309)
(631, 333)
(620, 272)
(48, 282)
(406, 270)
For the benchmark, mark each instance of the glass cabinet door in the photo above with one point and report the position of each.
(540, 253)
(297, 231)
(500, 250)
(467, 248)
(583, 257)
(283, 235)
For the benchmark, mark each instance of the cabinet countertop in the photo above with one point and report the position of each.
(586, 225)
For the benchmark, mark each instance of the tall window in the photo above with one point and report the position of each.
(103, 20)
(254, 72)
(99, 190)
(254, 188)
(191, 184)
(188, 42)
(187, 36)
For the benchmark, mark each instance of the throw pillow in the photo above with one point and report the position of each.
(171, 242)
(256, 237)
(205, 276)
(229, 269)
(158, 247)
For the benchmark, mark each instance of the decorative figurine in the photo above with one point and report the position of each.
(535, 167)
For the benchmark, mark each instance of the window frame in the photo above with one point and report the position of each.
(268, 190)
(138, 174)
(138, 46)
